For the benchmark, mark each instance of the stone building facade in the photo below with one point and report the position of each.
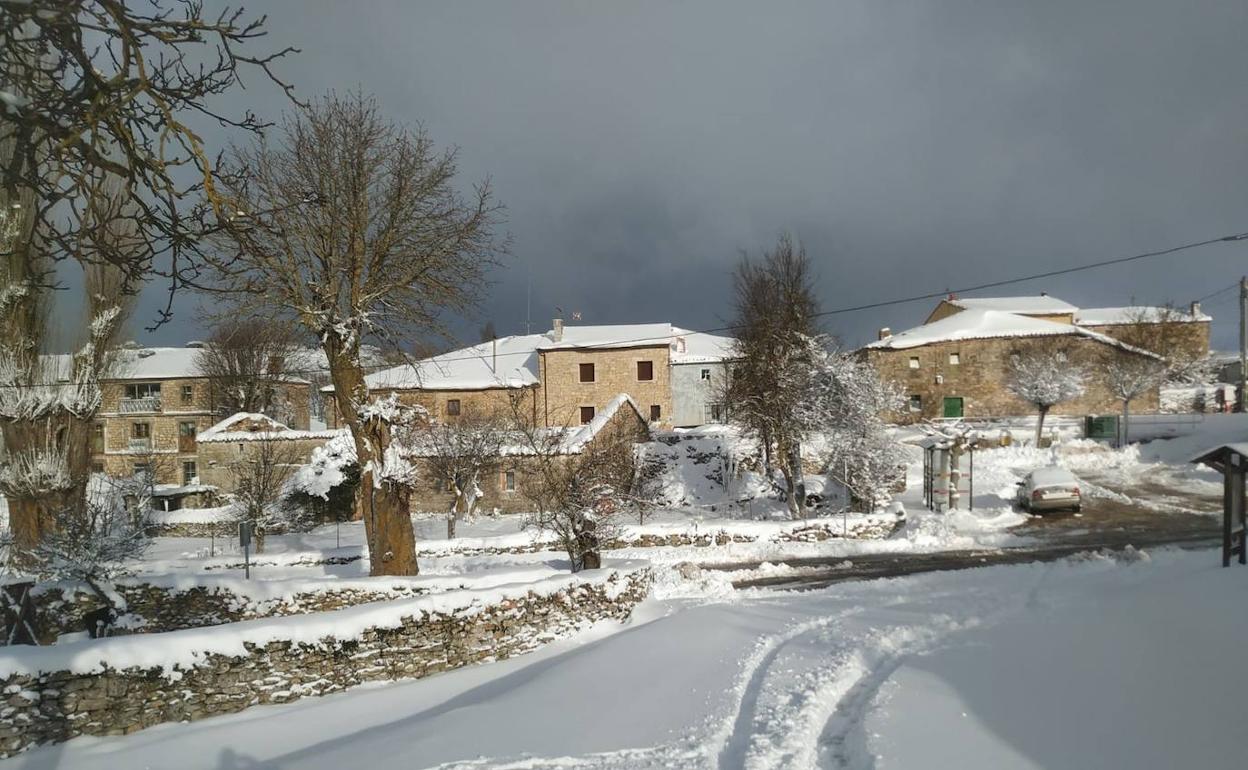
(566, 376)
(968, 378)
(149, 417)
(957, 364)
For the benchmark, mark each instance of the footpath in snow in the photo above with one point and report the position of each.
(1092, 662)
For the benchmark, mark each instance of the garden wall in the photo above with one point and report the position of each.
(120, 685)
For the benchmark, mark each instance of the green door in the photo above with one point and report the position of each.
(953, 406)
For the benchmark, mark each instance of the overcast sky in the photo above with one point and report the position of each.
(912, 145)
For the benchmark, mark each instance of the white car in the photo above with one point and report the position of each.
(1048, 489)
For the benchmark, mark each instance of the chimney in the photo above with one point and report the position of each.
(557, 329)
(680, 345)
(1195, 309)
(885, 332)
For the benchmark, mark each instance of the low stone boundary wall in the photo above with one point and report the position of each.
(152, 609)
(111, 687)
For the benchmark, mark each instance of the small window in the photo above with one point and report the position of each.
(656, 413)
(188, 394)
(712, 412)
(509, 481)
(142, 469)
(140, 430)
(916, 403)
(954, 359)
(645, 371)
(97, 467)
(587, 413)
(914, 362)
(452, 407)
(706, 374)
(97, 430)
(186, 429)
(586, 372)
(189, 472)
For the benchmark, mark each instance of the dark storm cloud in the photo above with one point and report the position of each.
(913, 146)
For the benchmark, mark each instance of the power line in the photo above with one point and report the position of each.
(837, 311)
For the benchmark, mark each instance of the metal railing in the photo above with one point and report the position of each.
(138, 405)
(140, 444)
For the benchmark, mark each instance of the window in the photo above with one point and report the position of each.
(645, 371)
(712, 412)
(914, 362)
(452, 407)
(188, 394)
(509, 481)
(97, 437)
(706, 374)
(954, 359)
(186, 429)
(143, 390)
(142, 469)
(587, 413)
(916, 403)
(586, 372)
(97, 467)
(656, 413)
(189, 472)
(140, 430)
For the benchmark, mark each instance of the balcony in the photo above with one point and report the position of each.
(140, 405)
(140, 445)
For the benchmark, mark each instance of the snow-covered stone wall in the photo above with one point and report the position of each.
(120, 685)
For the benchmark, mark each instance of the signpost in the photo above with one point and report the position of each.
(245, 529)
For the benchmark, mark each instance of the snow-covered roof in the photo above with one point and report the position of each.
(508, 362)
(148, 364)
(1041, 304)
(699, 347)
(988, 324)
(511, 362)
(261, 427)
(1105, 316)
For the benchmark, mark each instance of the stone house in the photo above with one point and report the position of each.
(958, 364)
(238, 438)
(568, 375)
(151, 414)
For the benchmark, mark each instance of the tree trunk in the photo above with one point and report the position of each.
(1044, 410)
(798, 485)
(1126, 417)
(385, 507)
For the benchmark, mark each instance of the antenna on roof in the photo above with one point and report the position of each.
(528, 297)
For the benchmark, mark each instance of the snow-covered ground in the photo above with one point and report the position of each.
(1093, 662)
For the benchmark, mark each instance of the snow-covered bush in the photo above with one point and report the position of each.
(324, 489)
(1044, 376)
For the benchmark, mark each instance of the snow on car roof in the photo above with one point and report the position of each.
(1103, 316)
(1039, 304)
(986, 324)
(1052, 475)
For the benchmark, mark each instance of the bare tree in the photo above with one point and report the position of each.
(91, 89)
(1169, 332)
(775, 311)
(365, 235)
(461, 454)
(1130, 374)
(580, 492)
(1043, 375)
(247, 362)
(259, 480)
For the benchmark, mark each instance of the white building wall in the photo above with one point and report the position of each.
(693, 392)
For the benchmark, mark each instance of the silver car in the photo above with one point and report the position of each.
(1049, 489)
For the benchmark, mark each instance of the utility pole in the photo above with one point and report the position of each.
(1243, 342)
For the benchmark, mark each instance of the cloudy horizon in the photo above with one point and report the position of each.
(913, 147)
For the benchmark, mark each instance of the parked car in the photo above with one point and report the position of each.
(1049, 489)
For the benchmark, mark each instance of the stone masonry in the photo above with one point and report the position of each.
(51, 707)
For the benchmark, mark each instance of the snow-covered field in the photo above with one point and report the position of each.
(1092, 662)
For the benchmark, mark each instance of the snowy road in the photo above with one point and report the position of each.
(994, 667)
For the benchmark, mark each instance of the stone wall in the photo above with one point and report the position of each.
(1191, 338)
(481, 401)
(979, 378)
(54, 706)
(615, 372)
(151, 609)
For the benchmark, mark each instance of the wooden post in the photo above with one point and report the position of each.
(1227, 504)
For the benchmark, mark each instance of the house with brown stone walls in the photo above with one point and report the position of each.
(959, 364)
(153, 410)
(566, 376)
(238, 438)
